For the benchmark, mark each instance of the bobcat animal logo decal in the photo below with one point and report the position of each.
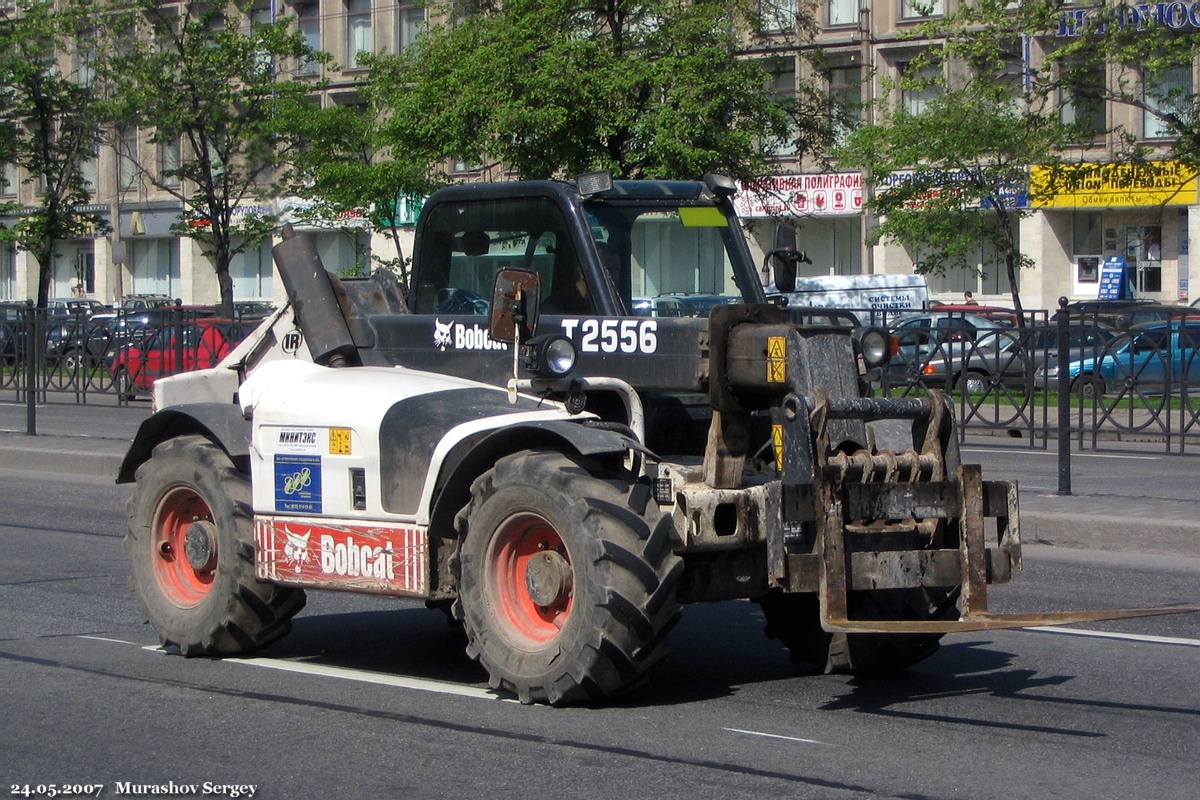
(442, 335)
(296, 550)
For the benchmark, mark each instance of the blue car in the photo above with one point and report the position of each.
(1151, 358)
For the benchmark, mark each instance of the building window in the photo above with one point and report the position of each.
(910, 9)
(841, 12)
(1087, 238)
(1166, 93)
(168, 163)
(1083, 101)
(1143, 255)
(8, 272)
(154, 266)
(10, 180)
(127, 177)
(359, 38)
(777, 16)
(84, 66)
(308, 20)
(89, 170)
(411, 24)
(845, 101)
(783, 84)
(253, 273)
(920, 83)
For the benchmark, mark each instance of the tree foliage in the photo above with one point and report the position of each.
(964, 157)
(50, 123)
(644, 88)
(206, 82)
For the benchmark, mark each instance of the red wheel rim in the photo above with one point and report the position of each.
(520, 540)
(184, 584)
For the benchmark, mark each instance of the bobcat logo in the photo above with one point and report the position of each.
(296, 550)
(442, 335)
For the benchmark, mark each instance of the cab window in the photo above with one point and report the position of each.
(466, 244)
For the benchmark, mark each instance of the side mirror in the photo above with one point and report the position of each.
(784, 257)
(514, 305)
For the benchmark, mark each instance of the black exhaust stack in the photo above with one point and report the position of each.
(314, 300)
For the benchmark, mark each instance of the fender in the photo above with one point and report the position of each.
(220, 422)
(470, 458)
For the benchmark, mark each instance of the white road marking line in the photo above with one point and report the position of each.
(1055, 454)
(1132, 637)
(775, 736)
(363, 676)
(380, 678)
(104, 639)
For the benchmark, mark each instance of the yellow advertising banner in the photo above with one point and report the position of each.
(1153, 183)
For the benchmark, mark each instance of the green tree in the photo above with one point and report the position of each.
(211, 83)
(644, 88)
(964, 156)
(553, 88)
(344, 165)
(50, 123)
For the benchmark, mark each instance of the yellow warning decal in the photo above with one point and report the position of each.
(776, 359)
(777, 441)
(339, 441)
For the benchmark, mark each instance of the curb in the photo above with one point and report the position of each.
(69, 455)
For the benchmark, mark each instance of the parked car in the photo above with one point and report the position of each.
(1006, 317)
(812, 315)
(130, 324)
(163, 352)
(945, 337)
(1150, 358)
(252, 309)
(141, 302)
(1011, 357)
(66, 307)
(12, 331)
(679, 305)
(1122, 314)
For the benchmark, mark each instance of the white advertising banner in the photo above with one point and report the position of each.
(821, 194)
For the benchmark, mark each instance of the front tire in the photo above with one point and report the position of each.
(795, 620)
(567, 583)
(191, 546)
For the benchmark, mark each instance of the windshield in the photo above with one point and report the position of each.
(669, 261)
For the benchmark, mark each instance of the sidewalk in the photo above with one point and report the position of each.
(1128, 500)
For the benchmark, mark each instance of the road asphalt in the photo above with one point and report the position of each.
(1131, 500)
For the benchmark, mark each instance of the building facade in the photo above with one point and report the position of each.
(1148, 213)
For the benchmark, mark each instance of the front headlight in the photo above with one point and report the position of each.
(875, 347)
(550, 355)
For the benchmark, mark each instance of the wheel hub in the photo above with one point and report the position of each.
(548, 578)
(200, 544)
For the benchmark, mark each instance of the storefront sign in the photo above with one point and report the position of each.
(1155, 183)
(1172, 16)
(1114, 279)
(823, 194)
(940, 180)
(306, 215)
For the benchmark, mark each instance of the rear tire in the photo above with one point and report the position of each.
(795, 619)
(1088, 386)
(568, 585)
(123, 383)
(191, 546)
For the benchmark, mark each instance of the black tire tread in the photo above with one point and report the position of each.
(242, 614)
(624, 622)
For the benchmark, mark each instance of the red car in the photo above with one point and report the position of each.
(161, 352)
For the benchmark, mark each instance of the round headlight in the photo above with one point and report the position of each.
(559, 357)
(549, 356)
(875, 346)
